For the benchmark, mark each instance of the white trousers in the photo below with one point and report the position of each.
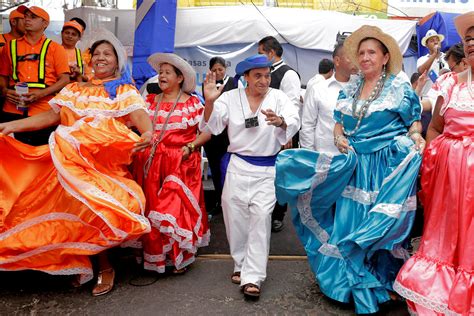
(247, 205)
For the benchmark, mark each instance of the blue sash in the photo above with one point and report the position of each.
(263, 161)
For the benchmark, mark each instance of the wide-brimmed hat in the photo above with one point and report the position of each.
(189, 84)
(351, 46)
(74, 25)
(463, 22)
(430, 34)
(252, 62)
(35, 10)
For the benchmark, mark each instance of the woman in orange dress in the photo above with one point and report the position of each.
(75, 198)
(170, 170)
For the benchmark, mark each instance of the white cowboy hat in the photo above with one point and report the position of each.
(430, 34)
(351, 46)
(463, 22)
(189, 84)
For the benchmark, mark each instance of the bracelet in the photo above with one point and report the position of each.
(338, 138)
(191, 146)
(413, 132)
(282, 121)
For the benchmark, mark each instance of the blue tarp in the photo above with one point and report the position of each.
(442, 23)
(154, 34)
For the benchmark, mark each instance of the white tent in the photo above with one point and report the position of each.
(233, 31)
(303, 28)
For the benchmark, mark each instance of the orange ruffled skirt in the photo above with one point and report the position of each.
(60, 204)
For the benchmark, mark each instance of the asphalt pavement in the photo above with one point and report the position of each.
(205, 289)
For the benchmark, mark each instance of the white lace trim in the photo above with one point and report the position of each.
(79, 97)
(186, 110)
(85, 274)
(330, 251)
(390, 101)
(359, 195)
(172, 126)
(393, 209)
(100, 112)
(66, 134)
(463, 107)
(422, 300)
(66, 245)
(64, 175)
(154, 267)
(44, 218)
(134, 243)
(154, 258)
(304, 200)
(413, 152)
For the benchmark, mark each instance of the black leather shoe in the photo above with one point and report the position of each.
(277, 226)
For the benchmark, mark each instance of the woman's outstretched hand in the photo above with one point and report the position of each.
(211, 91)
(144, 142)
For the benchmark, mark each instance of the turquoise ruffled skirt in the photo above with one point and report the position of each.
(353, 213)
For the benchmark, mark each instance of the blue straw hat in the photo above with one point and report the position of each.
(252, 62)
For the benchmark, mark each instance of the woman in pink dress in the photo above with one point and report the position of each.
(439, 278)
(170, 170)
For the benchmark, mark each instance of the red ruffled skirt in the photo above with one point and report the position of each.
(439, 278)
(175, 208)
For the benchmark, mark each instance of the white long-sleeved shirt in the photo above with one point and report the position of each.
(291, 85)
(232, 108)
(317, 122)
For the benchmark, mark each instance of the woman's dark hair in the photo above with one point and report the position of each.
(216, 60)
(456, 52)
(80, 21)
(414, 77)
(96, 44)
(268, 43)
(381, 45)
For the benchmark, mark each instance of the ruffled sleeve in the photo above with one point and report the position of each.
(194, 111)
(410, 107)
(337, 110)
(443, 87)
(93, 100)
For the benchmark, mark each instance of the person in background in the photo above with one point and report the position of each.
(325, 71)
(284, 78)
(259, 121)
(71, 34)
(433, 62)
(317, 122)
(38, 62)
(455, 58)
(216, 147)
(353, 212)
(170, 170)
(437, 280)
(74, 198)
(17, 30)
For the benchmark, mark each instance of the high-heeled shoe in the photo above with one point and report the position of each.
(105, 282)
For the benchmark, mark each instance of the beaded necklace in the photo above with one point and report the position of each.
(365, 106)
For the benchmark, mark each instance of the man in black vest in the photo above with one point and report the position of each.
(284, 78)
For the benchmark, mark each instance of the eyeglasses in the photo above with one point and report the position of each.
(467, 40)
(454, 66)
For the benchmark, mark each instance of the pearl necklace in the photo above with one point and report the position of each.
(469, 82)
(365, 106)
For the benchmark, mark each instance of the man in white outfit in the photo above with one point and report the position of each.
(432, 63)
(259, 121)
(317, 122)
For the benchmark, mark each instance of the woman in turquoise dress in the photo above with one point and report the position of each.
(353, 212)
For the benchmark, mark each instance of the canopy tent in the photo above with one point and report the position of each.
(442, 23)
(307, 29)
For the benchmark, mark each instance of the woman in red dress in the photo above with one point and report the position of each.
(439, 278)
(170, 170)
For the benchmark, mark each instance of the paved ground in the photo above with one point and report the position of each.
(204, 290)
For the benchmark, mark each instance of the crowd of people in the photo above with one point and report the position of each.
(89, 164)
